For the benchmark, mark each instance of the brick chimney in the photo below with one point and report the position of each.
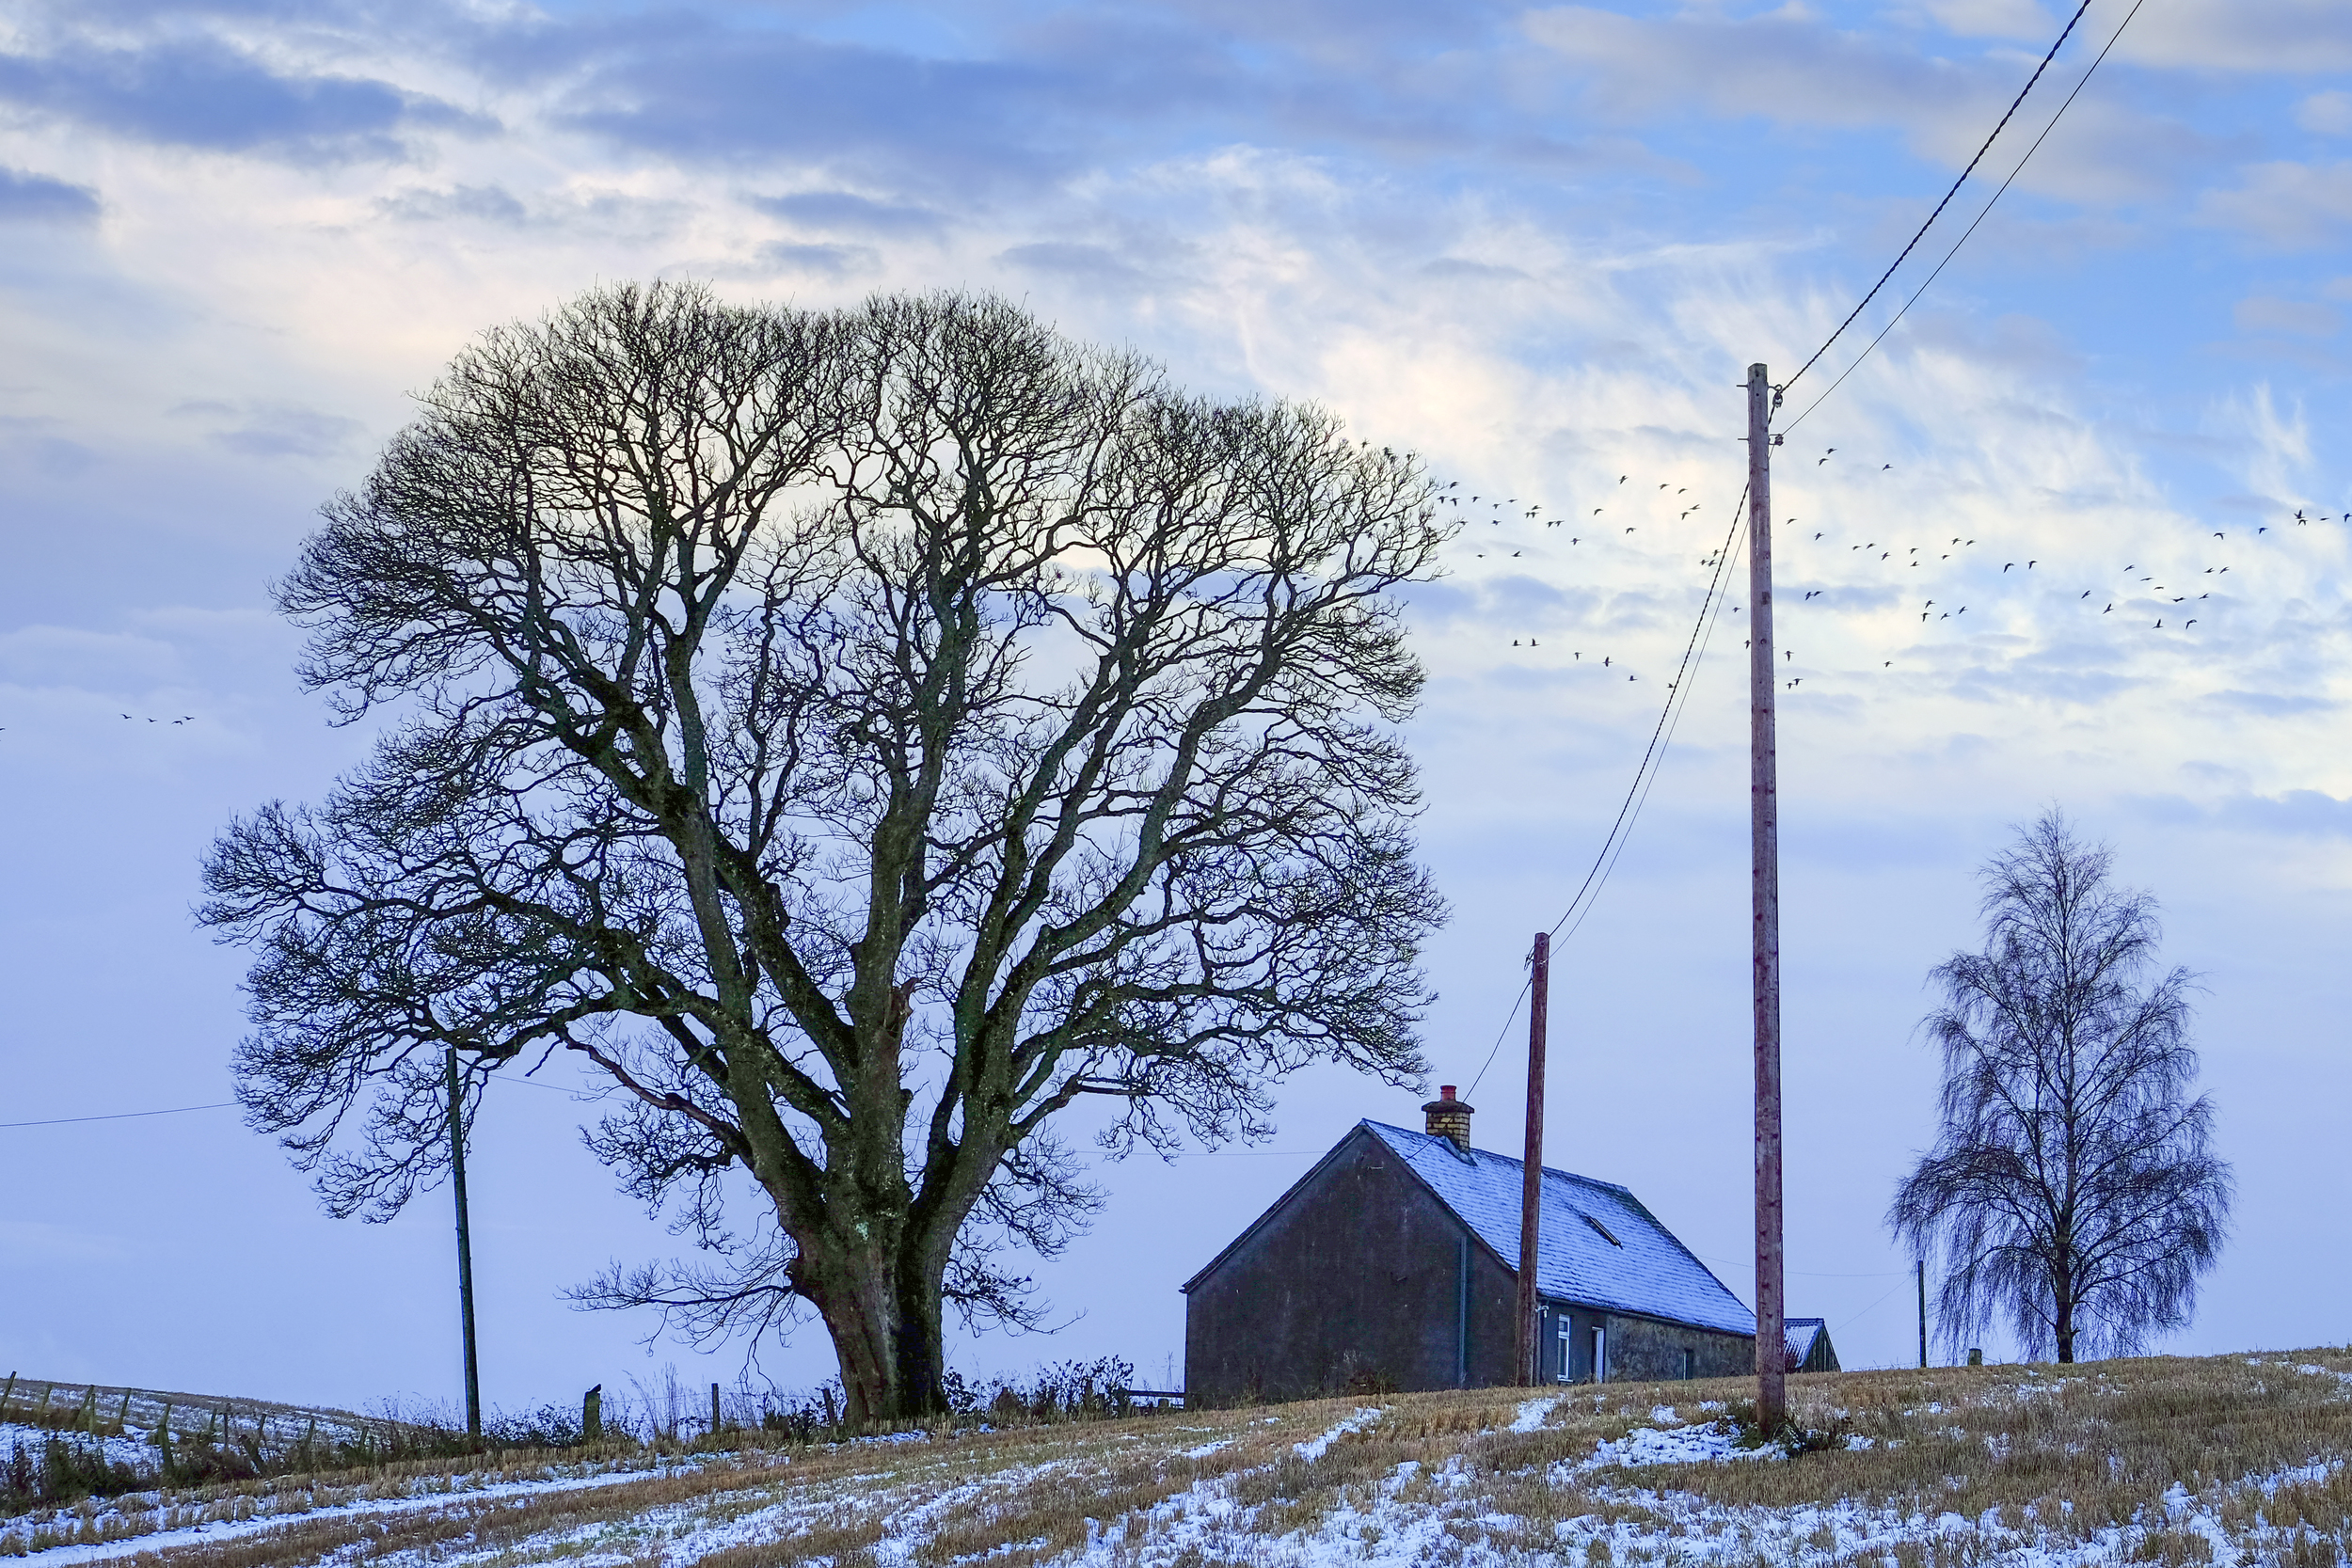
(1448, 1118)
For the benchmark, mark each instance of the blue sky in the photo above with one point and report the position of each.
(1538, 246)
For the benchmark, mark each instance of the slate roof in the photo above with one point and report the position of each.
(1600, 1246)
(1804, 1333)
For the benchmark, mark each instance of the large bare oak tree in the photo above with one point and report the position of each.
(2073, 1189)
(858, 735)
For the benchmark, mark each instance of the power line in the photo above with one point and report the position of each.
(224, 1106)
(123, 1116)
(1972, 226)
(2014, 105)
(1637, 794)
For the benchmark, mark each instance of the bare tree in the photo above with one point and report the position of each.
(2073, 1189)
(858, 736)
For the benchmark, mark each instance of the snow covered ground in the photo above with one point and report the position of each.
(2107, 1464)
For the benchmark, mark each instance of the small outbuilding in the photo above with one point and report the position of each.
(1394, 1264)
(1809, 1350)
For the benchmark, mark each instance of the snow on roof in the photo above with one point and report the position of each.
(1802, 1333)
(1600, 1246)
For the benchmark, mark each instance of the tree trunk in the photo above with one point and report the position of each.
(2063, 1317)
(882, 1305)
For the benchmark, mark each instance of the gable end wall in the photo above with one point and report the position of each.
(1354, 1281)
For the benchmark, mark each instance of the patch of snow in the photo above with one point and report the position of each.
(1313, 1448)
(1706, 1444)
(1207, 1449)
(133, 1451)
(420, 1499)
(1531, 1414)
(1665, 1415)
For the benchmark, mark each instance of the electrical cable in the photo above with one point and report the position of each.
(1852, 1318)
(2014, 106)
(1970, 229)
(1637, 794)
(121, 1116)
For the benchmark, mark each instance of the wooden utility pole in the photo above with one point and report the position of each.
(1771, 1349)
(465, 1246)
(1530, 1340)
(1923, 1312)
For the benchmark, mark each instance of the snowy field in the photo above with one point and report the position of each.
(2226, 1460)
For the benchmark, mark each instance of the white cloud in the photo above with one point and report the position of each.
(2300, 318)
(2291, 205)
(2296, 37)
(1791, 67)
(2330, 113)
(2008, 19)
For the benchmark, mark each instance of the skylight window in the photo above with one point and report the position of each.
(1604, 1232)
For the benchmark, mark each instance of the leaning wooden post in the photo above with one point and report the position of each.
(86, 1417)
(8, 1396)
(163, 1437)
(122, 1416)
(1771, 1349)
(1529, 1340)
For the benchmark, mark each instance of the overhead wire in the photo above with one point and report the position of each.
(2014, 105)
(1974, 224)
(121, 1116)
(1646, 774)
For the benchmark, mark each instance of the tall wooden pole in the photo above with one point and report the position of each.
(1771, 1352)
(1529, 1341)
(465, 1246)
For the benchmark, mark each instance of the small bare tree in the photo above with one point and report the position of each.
(2073, 1189)
(858, 736)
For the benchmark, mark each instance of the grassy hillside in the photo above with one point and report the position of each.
(2224, 1459)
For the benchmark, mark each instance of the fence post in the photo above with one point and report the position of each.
(88, 1415)
(592, 1415)
(163, 1437)
(122, 1416)
(714, 1409)
(7, 1395)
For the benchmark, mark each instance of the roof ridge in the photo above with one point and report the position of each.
(1507, 1159)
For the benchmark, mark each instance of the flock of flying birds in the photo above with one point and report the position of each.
(2176, 603)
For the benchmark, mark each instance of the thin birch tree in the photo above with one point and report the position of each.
(2072, 1192)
